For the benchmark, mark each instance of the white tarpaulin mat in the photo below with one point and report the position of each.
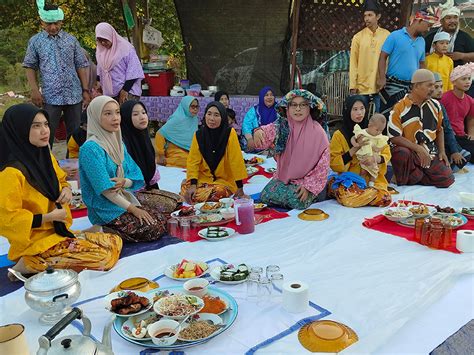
(373, 282)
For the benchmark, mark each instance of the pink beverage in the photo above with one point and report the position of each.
(244, 216)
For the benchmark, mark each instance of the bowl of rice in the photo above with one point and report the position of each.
(178, 306)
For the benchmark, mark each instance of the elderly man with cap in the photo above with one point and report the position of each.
(365, 51)
(457, 155)
(460, 107)
(62, 66)
(405, 51)
(415, 129)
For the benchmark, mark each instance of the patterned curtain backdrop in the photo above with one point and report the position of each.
(331, 24)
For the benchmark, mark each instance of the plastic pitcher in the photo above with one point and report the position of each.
(244, 216)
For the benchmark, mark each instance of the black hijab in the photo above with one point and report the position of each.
(80, 134)
(138, 143)
(219, 94)
(347, 123)
(35, 163)
(213, 142)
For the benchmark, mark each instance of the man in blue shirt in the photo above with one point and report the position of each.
(62, 66)
(405, 49)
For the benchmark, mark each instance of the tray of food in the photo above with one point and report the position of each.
(214, 219)
(468, 212)
(128, 303)
(186, 212)
(251, 170)
(230, 274)
(209, 207)
(215, 234)
(186, 270)
(254, 161)
(200, 327)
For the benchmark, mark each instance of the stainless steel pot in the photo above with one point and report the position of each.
(51, 293)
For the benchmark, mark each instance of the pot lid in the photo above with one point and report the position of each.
(51, 279)
(73, 344)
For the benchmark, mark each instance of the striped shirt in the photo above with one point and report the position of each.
(57, 58)
(418, 124)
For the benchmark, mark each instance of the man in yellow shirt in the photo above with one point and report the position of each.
(365, 51)
(439, 62)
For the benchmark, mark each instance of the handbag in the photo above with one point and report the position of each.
(160, 200)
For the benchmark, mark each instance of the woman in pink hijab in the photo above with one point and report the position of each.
(301, 150)
(118, 66)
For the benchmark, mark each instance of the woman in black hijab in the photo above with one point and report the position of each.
(135, 135)
(344, 160)
(215, 167)
(34, 201)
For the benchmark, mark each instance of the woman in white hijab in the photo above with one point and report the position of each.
(109, 176)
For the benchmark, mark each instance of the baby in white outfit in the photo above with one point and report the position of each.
(377, 141)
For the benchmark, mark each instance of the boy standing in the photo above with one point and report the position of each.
(460, 107)
(439, 62)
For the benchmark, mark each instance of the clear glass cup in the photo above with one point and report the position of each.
(252, 287)
(257, 270)
(271, 269)
(264, 291)
(185, 225)
(173, 226)
(277, 284)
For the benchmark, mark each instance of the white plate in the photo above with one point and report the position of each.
(203, 234)
(431, 210)
(260, 207)
(214, 318)
(199, 301)
(216, 273)
(270, 170)
(251, 170)
(209, 218)
(128, 325)
(114, 295)
(198, 206)
(176, 215)
(170, 269)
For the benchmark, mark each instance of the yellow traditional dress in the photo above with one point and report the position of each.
(230, 169)
(175, 156)
(41, 246)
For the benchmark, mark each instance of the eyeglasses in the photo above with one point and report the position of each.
(302, 105)
(193, 106)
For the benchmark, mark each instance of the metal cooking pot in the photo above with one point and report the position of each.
(51, 292)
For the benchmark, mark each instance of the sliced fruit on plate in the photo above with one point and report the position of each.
(188, 269)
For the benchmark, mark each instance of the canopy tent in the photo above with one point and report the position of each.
(243, 45)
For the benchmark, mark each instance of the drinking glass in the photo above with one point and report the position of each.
(271, 269)
(257, 270)
(264, 291)
(277, 285)
(173, 226)
(185, 228)
(252, 287)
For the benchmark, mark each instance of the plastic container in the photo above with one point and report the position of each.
(244, 216)
(160, 83)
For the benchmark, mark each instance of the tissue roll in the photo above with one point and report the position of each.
(465, 241)
(295, 296)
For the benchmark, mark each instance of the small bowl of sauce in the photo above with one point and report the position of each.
(164, 332)
(196, 287)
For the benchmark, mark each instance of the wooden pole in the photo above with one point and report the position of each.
(294, 39)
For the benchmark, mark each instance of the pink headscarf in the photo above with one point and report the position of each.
(108, 58)
(462, 70)
(306, 143)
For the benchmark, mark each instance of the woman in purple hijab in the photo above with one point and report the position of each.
(260, 115)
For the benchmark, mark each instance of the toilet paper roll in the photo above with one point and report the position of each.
(295, 296)
(465, 241)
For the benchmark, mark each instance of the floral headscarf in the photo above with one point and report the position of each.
(281, 123)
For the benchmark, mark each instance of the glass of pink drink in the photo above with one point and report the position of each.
(244, 216)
